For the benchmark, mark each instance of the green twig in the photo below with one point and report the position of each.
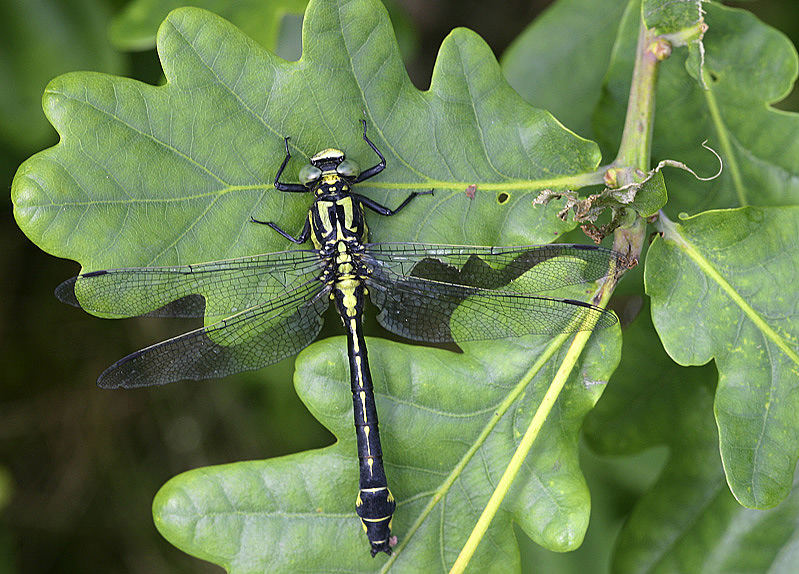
(636, 140)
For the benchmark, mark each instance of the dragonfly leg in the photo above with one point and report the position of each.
(293, 187)
(303, 237)
(382, 209)
(375, 169)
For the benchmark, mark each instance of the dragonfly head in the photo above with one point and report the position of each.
(329, 161)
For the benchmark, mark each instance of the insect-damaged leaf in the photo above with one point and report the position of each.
(211, 142)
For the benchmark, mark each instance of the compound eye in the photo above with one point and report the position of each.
(309, 174)
(348, 168)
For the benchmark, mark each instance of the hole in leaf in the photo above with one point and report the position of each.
(714, 77)
(503, 198)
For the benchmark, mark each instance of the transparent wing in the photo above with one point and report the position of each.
(440, 293)
(228, 286)
(527, 269)
(250, 339)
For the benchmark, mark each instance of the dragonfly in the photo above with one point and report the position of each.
(263, 308)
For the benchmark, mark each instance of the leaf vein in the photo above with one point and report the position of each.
(145, 135)
(711, 273)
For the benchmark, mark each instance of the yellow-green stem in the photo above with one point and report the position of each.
(636, 139)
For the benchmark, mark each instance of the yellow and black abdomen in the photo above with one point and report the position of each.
(375, 504)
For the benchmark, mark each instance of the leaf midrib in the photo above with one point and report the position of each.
(726, 146)
(674, 233)
(567, 181)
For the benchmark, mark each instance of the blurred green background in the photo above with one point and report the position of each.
(79, 466)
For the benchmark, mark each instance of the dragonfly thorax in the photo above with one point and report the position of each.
(331, 184)
(337, 216)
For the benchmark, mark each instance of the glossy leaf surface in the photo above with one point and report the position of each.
(721, 285)
(688, 521)
(558, 63)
